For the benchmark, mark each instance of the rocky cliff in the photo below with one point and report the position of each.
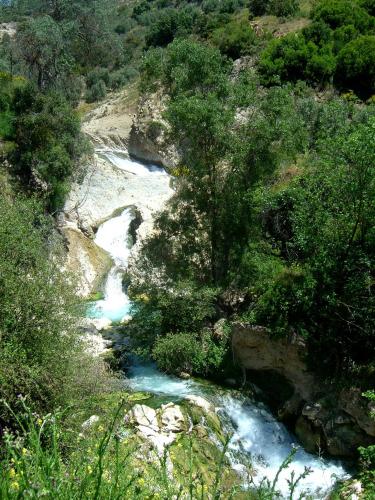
(324, 417)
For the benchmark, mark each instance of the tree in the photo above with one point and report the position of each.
(42, 48)
(356, 66)
(48, 142)
(337, 13)
(41, 354)
(235, 39)
(326, 290)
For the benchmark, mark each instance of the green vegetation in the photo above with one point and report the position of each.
(272, 221)
(278, 205)
(40, 352)
(338, 47)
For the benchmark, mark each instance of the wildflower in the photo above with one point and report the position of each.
(12, 473)
(100, 428)
(141, 481)
(39, 421)
(14, 485)
(89, 469)
(24, 452)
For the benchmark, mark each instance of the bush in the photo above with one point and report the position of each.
(189, 352)
(97, 92)
(356, 66)
(293, 58)
(235, 39)
(41, 354)
(368, 5)
(337, 13)
(97, 75)
(282, 8)
(170, 24)
(122, 76)
(48, 139)
(179, 352)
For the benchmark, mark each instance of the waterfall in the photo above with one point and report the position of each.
(256, 435)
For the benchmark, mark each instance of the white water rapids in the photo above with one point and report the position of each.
(256, 435)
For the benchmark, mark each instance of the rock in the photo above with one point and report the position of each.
(172, 418)
(85, 260)
(231, 382)
(219, 329)
(312, 411)
(148, 139)
(184, 375)
(200, 402)
(338, 423)
(90, 422)
(256, 350)
(308, 434)
(144, 417)
(360, 408)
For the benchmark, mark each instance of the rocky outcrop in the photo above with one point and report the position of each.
(327, 427)
(255, 350)
(85, 260)
(8, 29)
(108, 125)
(160, 427)
(148, 139)
(324, 418)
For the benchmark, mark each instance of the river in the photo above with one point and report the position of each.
(256, 435)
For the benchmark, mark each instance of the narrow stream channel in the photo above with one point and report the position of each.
(256, 435)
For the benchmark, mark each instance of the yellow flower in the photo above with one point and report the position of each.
(89, 469)
(24, 451)
(100, 428)
(12, 473)
(14, 485)
(39, 421)
(141, 481)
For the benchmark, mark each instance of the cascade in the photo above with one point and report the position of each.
(256, 435)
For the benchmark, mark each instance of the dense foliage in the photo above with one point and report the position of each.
(41, 356)
(338, 46)
(275, 198)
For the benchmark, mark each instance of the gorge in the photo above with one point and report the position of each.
(257, 438)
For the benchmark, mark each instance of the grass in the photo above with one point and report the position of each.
(48, 459)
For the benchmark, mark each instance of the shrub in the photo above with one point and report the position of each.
(179, 352)
(97, 92)
(235, 39)
(282, 8)
(48, 139)
(356, 66)
(97, 75)
(293, 58)
(337, 13)
(170, 23)
(41, 354)
(285, 59)
(122, 76)
(368, 5)
(190, 352)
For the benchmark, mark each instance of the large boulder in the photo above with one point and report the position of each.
(159, 428)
